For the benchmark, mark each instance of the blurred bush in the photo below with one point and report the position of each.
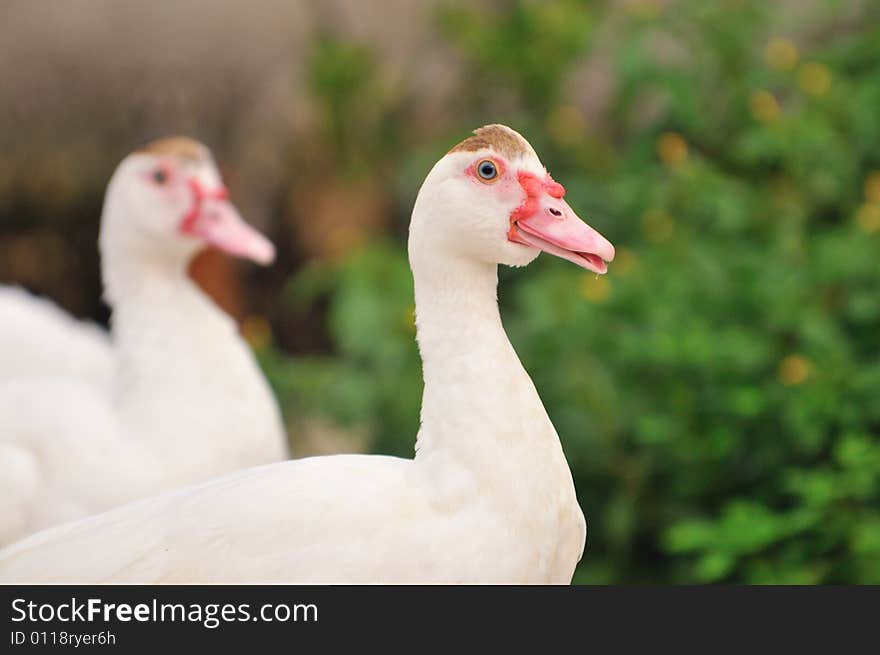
(716, 392)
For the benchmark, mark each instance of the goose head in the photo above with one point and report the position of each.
(492, 200)
(168, 199)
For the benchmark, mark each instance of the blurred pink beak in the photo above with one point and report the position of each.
(214, 220)
(546, 221)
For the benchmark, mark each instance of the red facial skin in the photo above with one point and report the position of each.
(200, 195)
(197, 191)
(543, 219)
(532, 185)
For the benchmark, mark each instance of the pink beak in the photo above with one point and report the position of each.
(214, 220)
(552, 226)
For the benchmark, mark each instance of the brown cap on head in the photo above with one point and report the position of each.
(181, 147)
(500, 138)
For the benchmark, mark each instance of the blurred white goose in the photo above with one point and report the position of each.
(489, 496)
(187, 401)
(38, 338)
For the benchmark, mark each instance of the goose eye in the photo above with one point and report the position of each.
(487, 170)
(160, 176)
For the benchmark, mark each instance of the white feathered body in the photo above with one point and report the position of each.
(187, 403)
(38, 338)
(188, 387)
(340, 519)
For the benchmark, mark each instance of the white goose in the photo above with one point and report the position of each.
(187, 400)
(489, 496)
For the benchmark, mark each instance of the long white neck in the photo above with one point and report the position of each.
(129, 269)
(154, 304)
(479, 405)
(485, 436)
(156, 310)
(459, 332)
(161, 323)
(184, 378)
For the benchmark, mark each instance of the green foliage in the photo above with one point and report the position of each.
(716, 393)
(375, 377)
(526, 46)
(357, 110)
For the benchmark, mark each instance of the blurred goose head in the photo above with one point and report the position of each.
(491, 199)
(167, 200)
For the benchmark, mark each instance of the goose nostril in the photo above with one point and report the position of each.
(554, 211)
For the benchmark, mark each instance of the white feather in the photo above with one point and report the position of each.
(38, 338)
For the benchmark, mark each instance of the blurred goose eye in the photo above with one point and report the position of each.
(160, 176)
(487, 170)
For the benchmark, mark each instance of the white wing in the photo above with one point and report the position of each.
(38, 338)
(344, 518)
(60, 455)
